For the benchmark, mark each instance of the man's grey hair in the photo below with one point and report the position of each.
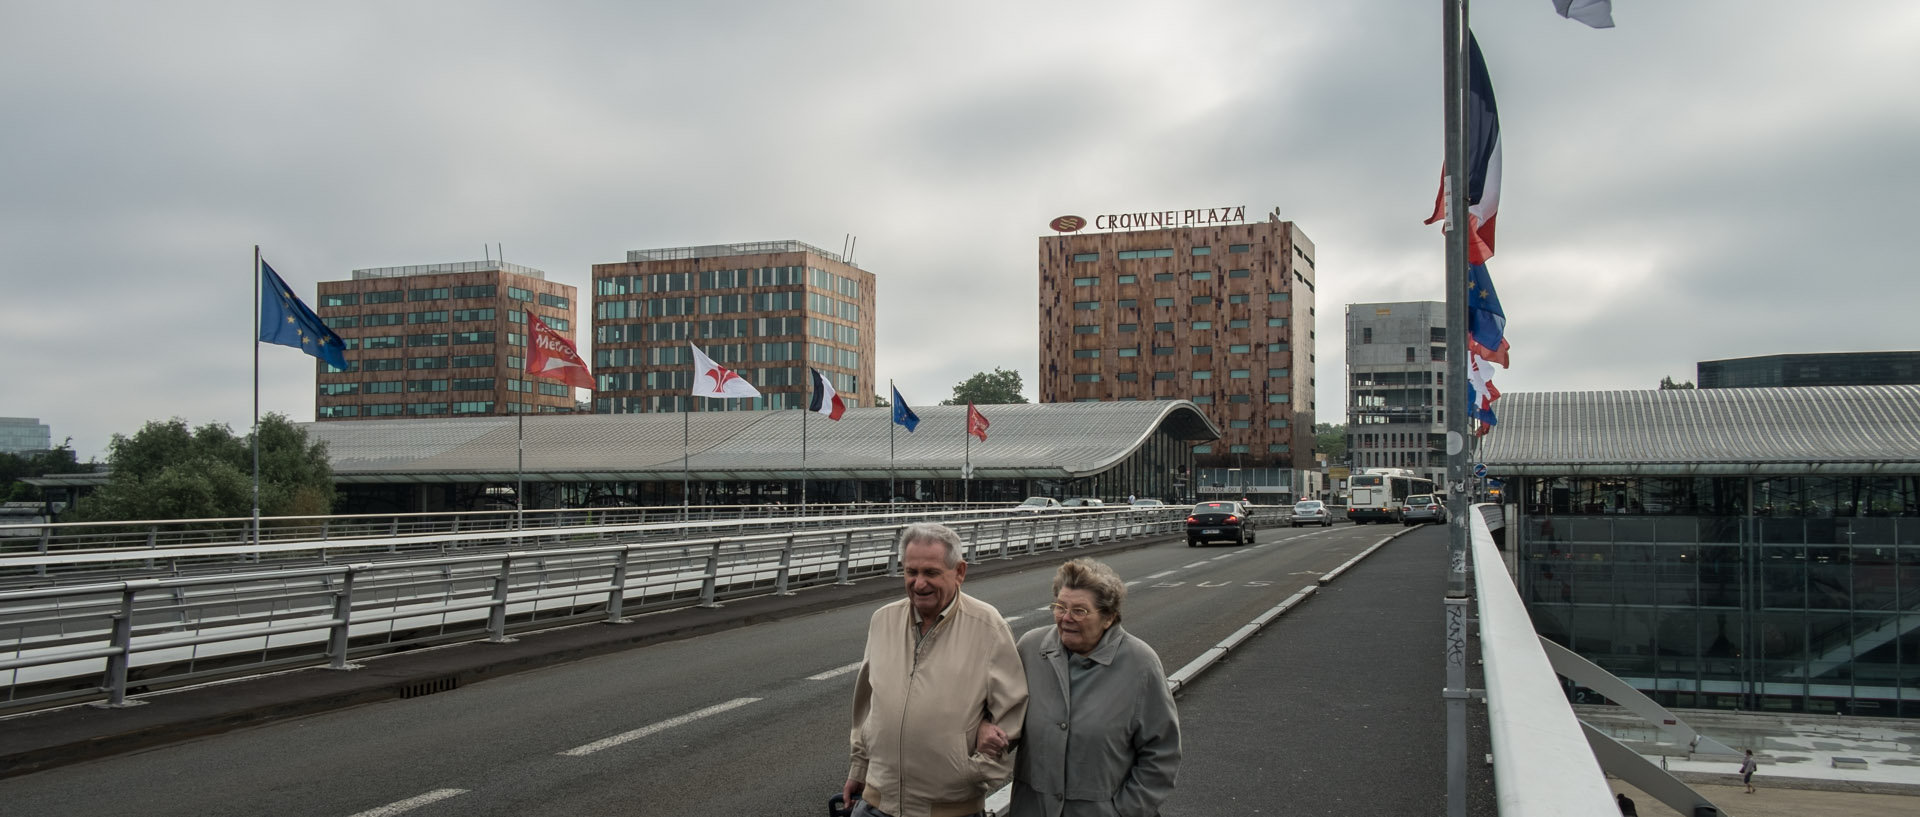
(931, 533)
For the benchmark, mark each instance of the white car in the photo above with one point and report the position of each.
(1148, 503)
(1312, 512)
(1038, 504)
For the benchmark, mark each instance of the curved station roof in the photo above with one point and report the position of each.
(1046, 440)
(1800, 430)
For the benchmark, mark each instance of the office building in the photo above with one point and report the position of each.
(1181, 306)
(437, 340)
(1396, 387)
(768, 310)
(1831, 369)
(19, 435)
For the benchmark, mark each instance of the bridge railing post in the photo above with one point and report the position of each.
(846, 560)
(497, 613)
(617, 593)
(117, 663)
(709, 583)
(786, 567)
(338, 634)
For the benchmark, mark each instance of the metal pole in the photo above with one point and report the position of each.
(686, 442)
(1455, 33)
(256, 395)
(890, 424)
(520, 473)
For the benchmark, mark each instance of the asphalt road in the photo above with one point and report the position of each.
(747, 721)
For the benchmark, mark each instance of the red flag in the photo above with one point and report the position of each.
(551, 355)
(976, 423)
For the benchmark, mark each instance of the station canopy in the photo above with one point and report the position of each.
(1044, 440)
(1808, 430)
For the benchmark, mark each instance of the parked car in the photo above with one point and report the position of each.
(1219, 521)
(1038, 504)
(1147, 503)
(1424, 508)
(1082, 503)
(1312, 512)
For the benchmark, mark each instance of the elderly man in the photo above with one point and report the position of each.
(940, 695)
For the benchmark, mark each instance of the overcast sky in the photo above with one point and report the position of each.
(1710, 179)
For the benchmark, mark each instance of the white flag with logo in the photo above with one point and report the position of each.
(711, 379)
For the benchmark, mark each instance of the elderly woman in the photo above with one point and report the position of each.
(1102, 736)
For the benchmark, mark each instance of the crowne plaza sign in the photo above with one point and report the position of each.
(1155, 219)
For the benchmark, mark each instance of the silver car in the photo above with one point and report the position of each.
(1422, 508)
(1312, 512)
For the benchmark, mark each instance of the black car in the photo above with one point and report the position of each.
(1218, 522)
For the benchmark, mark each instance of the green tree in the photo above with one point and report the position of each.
(1667, 383)
(16, 467)
(1330, 439)
(167, 471)
(997, 387)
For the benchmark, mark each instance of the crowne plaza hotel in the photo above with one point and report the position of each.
(1189, 308)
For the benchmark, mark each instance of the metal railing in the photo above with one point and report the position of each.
(108, 640)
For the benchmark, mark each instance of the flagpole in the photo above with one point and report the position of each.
(1456, 34)
(966, 474)
(520, 473)
(891, 422)
(804, 411)
(256, 396)
(686, 441)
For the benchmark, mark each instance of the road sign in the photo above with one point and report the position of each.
(1480, 469)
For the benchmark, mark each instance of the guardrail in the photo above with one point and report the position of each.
(107, 640)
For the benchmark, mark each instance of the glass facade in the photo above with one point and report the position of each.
(1791, 594)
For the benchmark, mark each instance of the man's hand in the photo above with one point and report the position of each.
(852, 790)
(991, 741)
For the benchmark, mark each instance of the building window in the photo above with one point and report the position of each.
(1163, 302)
(1276, 372)
(1085, 257)
(1277, 448)
(381, 342)
(473, 384)
(417, 363)
(339, 411)
(1366, 334)
(1128, 303)
(1128, 327)
(1236, 299)
(1276, 347)
(1239, 273)
(1203, 399)
(1436, 334)
(1237, 323)
(428, 294)
(1203, 449)
(1238, 449)
(1276, 424)
(1127, 377)
(555, 301)
(1240, 248)
(1129, 279)
(481, 291)
(1240, 348)
(1283, 322)
(1239, 374)
(1130, 255)
(382, 364)
(384, 386)
(1163, 327)
(343, 299)
(472, 361)
(1439, 353)
(1163, 375)
(387, 296)
(474, 337)
(1163, 276)
(486, 314)
(338, 389)
(1202, 325)
(1239, 424)
(1409, 354)
(1239, 398)
(1202, 250)
(1201, 300)
(384, 410)
(1086, 305)
(427, 340)
(1086, 353)
(1276, 297)
(474, 407)
(1280, 398)
(1201, 275)
(1163, 350)
(1203, 350)
(426, 408)
(427, 317)
(1130, 351)
(1203, 375)
(1089, 281)
(1086, 378)
(1087, 330)
(341, 322)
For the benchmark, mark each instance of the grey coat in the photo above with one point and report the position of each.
(1114, 751)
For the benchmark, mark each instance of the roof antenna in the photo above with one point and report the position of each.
(843, 245)
(500, 251)
(855, 246)
(488, 250)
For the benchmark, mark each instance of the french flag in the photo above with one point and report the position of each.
(1481, 394)
(825, 399)
(1483, 160)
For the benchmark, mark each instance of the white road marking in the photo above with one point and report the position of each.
(644, 731)
(1132, 583)
(1235, 553)
(835, 672)
(1159, 575)
(1196, 564)
(411, 803)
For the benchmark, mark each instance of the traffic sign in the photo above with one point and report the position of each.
(1480, 469)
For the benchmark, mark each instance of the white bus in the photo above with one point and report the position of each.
(1380, 494)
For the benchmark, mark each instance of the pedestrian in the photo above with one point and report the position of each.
(1626, 805)
(1102, 736)
(940, 695)
(1746, 770)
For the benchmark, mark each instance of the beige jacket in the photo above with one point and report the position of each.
(914, 726)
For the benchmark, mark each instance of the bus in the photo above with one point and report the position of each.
(1380, 494)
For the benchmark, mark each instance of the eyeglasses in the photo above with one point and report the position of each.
(1074, 613)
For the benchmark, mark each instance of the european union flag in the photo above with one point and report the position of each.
(902, 414)
(1486, 321)
(285, 320)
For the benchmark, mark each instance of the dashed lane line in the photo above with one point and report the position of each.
(835, 672)
(411, 803)
(624, 737)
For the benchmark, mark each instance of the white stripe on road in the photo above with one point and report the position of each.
(411, 803)
(1195, 564)
(644, 731)
(835, 672)
(1161, 574)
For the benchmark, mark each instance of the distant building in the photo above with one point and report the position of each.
(22, 434)
(437, 340)
(1159, 307)
(1396, 387)
(768, 310)
(1828, 369)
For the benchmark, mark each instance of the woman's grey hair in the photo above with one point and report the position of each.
(932, 533)
(1094, 577)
